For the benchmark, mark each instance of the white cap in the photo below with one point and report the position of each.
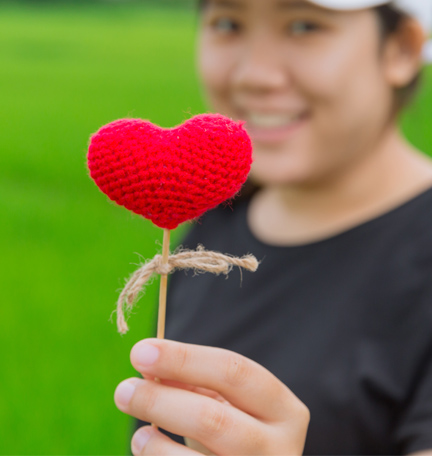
(419, 9)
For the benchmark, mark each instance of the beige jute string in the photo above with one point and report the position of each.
(199, 260)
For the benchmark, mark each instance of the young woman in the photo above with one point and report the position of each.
(327, 348)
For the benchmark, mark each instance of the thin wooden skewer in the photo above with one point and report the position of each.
(163, 291)
(163, 286)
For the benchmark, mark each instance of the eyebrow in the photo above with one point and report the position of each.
(296, 4)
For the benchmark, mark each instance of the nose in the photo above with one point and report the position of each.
(260, 67)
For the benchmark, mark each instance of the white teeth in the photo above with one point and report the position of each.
(271, 120)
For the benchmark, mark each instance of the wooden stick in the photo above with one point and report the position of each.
(163, 286)
(163, 292)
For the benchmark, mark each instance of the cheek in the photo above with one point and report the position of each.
(359, 103)
(349, 107)
(350, 99)
(344, 69)
(214, 70)
(330, 80)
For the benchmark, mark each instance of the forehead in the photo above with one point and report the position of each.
(278, 4)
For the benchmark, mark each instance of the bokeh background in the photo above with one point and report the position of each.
(67, 68)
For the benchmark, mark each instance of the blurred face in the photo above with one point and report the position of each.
(309, 83)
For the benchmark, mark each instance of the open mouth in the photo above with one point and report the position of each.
(273, 127)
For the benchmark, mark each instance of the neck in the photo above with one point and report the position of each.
(390, 174)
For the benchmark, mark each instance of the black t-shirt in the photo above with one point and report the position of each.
(345, 323)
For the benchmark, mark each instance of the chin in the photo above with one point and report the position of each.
(278, 178)
(285, 173)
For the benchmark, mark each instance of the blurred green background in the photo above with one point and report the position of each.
(66, 68)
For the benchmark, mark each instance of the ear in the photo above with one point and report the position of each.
(403, 53)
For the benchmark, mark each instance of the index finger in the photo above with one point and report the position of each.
(241, 381)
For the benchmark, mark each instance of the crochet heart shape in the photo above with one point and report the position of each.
(170, 175)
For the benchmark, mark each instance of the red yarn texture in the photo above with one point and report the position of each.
(170, 175)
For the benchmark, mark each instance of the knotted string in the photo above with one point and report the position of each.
(199, 260)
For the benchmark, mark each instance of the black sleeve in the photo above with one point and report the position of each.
(414, 430)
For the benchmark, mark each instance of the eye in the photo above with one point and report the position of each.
(225, 25)
(302, 27)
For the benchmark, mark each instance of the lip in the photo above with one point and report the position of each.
(276, 134)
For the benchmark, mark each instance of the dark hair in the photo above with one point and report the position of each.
(391, 20)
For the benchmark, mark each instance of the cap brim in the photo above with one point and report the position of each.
(348, 5)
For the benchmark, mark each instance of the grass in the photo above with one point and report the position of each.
(65, 71)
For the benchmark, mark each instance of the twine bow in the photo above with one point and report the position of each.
(199, 260)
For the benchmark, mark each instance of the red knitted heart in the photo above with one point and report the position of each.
(170, 175)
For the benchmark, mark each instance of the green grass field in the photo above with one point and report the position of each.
(65, 250)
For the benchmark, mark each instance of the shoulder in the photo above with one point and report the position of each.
(398, 280)
(407, 230)
(414, 230)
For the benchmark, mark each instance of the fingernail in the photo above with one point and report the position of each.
(140, 439)
(124, 392)
(145, 354)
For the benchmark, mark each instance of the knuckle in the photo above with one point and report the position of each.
(237, 370)
(214, 420)
(298, 423)
(303, 413)
(181, 357)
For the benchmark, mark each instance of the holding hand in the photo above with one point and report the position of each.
(226, 402)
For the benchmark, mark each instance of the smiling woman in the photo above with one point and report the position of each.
(336, 325)
(250, 66)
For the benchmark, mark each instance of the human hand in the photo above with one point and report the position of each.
(226, 402)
